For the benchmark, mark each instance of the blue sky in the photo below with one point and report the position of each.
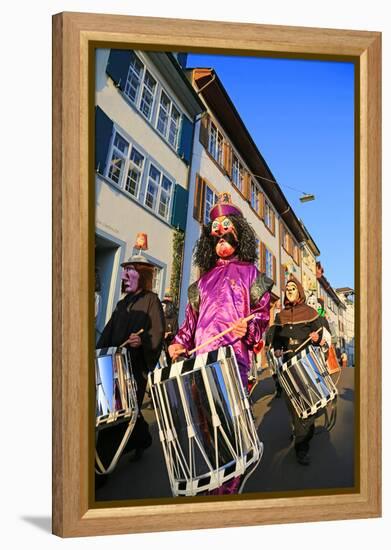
(300, 114)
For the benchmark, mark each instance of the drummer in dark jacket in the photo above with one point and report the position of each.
(138, 321)
(295, 324)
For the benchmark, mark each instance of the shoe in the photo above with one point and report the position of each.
(303, 458)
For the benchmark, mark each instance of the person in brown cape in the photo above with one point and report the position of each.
(295, 323)
(140, 308)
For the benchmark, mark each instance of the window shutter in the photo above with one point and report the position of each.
(246, 184)
(273, 222)
(261, 205)
(204, 131)
(179, 207)
(263, 258)
(118, 66)
(274, 270)
(228, 158)
(290, 245)
(186, 139)
(103, 133)
(199, 198)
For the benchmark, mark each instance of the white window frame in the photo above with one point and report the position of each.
(142, 87)
(237, 173)
(134, 166)
(206, 207)
(170, 121)
(268, 216)
(155, 108)
(147, 90)
(127, 163)
(120, 154)
(255, 190)
(132, 72)
(267, 262)
(215, 145)
(159, 192)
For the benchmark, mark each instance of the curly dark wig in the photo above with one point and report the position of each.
(205, 256)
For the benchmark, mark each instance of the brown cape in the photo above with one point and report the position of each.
(299, 312)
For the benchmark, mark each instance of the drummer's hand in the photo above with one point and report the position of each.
(314, 336)
(175, 350)
(134, 340)
(277, 352)
(240, 328)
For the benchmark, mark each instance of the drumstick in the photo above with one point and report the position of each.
(219, 335)
(136, 334)
(306, 341)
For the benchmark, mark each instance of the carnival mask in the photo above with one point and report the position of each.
(130, 278)
(312, 301)
(292, 293)
(225, 235)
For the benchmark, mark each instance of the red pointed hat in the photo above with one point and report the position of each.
(224, 207)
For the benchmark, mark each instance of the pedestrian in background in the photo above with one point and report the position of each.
(170, 321)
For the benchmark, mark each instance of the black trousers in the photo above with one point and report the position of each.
(303, 429)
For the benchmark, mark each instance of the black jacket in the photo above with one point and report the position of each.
(132, 313)
(290, 336)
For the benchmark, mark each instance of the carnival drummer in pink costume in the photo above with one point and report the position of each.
(229, 289)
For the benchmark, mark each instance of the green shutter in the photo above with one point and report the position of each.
(179, 207)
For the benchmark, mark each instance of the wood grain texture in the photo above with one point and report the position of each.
(73, 514)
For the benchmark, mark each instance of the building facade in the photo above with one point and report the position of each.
(346, 296)
(335, 309)
(225, 159)
(144, 125)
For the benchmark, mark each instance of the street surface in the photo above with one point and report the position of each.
(332, 453)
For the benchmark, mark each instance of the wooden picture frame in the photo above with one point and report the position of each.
(74, 37)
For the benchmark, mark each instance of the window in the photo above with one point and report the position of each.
(254, 196)
(140, 86)
(147, 95)
(156, 279)
(164, 199)
(269, 264)
(269, 217)
(126, 165)
(135, 75)
(118, 158)
(132, 184)
(168, 119)
(210, 200)
(158, 192)
(237, 173)
(215, 146)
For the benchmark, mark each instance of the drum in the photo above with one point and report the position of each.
(205, 422)
(307, 382)
(116, 400)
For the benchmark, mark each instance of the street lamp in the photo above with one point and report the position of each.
(307, 197)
